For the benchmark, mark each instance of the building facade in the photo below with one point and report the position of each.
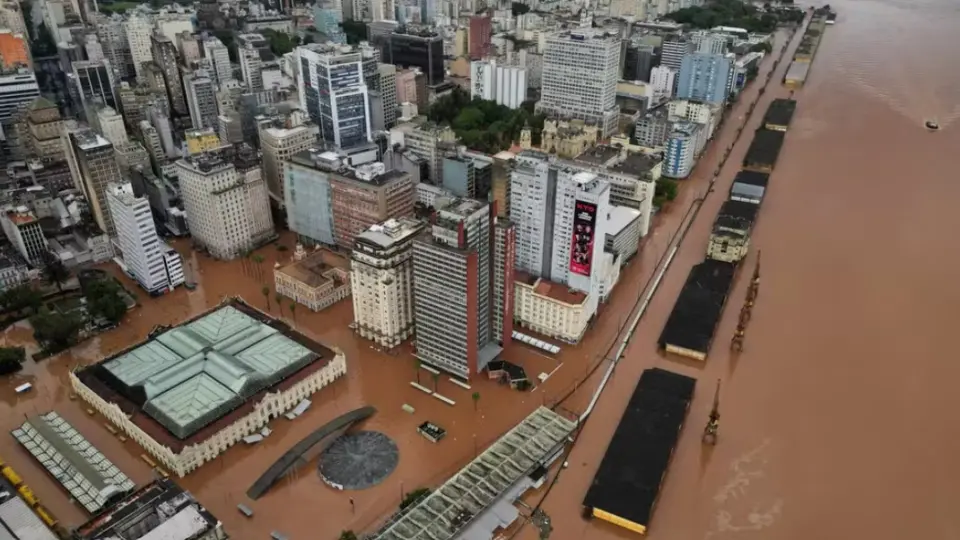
(334, 93)
(705, 77)
(201, 98)
(317, 280)
(22, 229)
(381, 276)
(308, 197)
(225, 197)
(278, 145)
(580, 73)
(95, 167)
(422, 50)
(681, 152)
(145, 258)
(507, 85)
(365, 196)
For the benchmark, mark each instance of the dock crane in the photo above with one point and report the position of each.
(736, 344)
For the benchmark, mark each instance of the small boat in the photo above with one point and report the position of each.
(932, 125)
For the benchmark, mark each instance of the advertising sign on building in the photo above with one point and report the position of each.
(584, 229)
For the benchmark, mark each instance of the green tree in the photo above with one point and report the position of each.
(266, 294)
(476, 399)
(11, 359)
(55, 331)
(279, 298)
(21, 297)
(258, 260)
(416, 367)
(105, 299)
(54, 271)
(665, 191)
(436, 379)
(348, 535)
(414, 497)
(519, 9)
(293, 312)
(356, 31)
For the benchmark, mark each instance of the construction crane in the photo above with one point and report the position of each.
(713, 424)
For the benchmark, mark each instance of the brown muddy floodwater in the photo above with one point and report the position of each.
(839, 416)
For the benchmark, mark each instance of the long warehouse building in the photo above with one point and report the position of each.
(627, 484)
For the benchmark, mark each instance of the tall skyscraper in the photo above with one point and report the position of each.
(112, 34)
(367, 195)
(507, 85)
(225, 197)
(155, 266)
(383, 10)
(250, 65)
(580, 72)
(422, 49)
(94, 80)
(201, 99)
(381, 281)
(109, 123)
(705, 77)
(674, 49)
(681, 151)
(96, 168)
(139, 28)
(639, 59)
(164, 53)
(278, 144)
(308, 197)
(22, 229)
(218, 55)
(333, 92)
(384, 116)
(16, 89)
(481, 35)
(453, 274)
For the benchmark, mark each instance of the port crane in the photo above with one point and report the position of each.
(736, 344)
(713, 424)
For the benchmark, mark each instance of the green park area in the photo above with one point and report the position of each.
(484, 125)
(751, 17)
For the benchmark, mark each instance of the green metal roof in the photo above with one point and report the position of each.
(194, 374)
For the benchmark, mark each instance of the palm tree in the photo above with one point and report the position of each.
(476, 399)
(279, 298)
(266, 294)
(416, 366)
(293, 312)
(436, 378)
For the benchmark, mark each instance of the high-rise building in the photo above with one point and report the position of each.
(681, 151)
(507, 85)
(16, 89)
(407, 86)
(333, 92)
(112, 35)
(139, 28)
(453, 283)
(189, 47)
(705, 77)
(218, 55)
(250, 65)
(109, 123)
(428, 141)
(43, 126)
(674, 49)
(327, 18)
(155, 266)
(94, 80)
(201, 99)
(532, 190)
(382, 10)
(663, 80)
(500, 182)
(96, 168)
(164, 53)
(709, 42)
(361, 10)
(580, 73)
(279, 144)
(381, 281)
(130, 156)
(639, 59)
(421, 49)
(22, 229)
(481, 36)
(225, 197)
(365, 196)
(308, 198)
(385, 116)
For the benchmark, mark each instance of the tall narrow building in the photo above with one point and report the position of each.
(153, 264)
(278, 145)
(333, 92)
(96, 168)
(164, 53)
(94, 80)
(381, 281)
(139, 28)
(201, 99)
(580, 72)
(218, 55)
(453, 282)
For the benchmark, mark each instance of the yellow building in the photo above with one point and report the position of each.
(565, 139)
(202, 140)
(550, 309)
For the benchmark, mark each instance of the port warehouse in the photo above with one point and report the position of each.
(625, 489)
(691, 326)
(799, 68)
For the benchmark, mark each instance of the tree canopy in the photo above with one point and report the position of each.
(280, 42)
(11, 359)
(483, 125)
(356, 31)
(55, 331)
(730, 13)
(21, 297)
(104, 299)
(519, 9)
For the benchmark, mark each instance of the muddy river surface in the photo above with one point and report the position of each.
(838, 417)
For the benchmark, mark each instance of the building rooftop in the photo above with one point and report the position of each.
(161, 510)
(600, 155)
(780, 112)
(637, 164)
(619, 218)
(90, 478)
(752, 178)
(695, 315)
(549, 289)
(87, 139)
(465, 497)
(628, 480)
(187, 382)
(317, 268)
(21, 216)
(765, 148)
(391, 232)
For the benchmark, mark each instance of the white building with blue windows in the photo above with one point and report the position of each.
(705, 77)
(681, 151)
(333, 92)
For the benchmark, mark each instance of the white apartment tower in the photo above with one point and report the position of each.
(145, 257)
(139, 29)
(225, 197)
(580, 72)
(381, 278)
(250, 64)
(663, 80)
(279, 145)
(22, 229)
(532, 185)
(218, 55)
(111, 126)
(507, 85)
